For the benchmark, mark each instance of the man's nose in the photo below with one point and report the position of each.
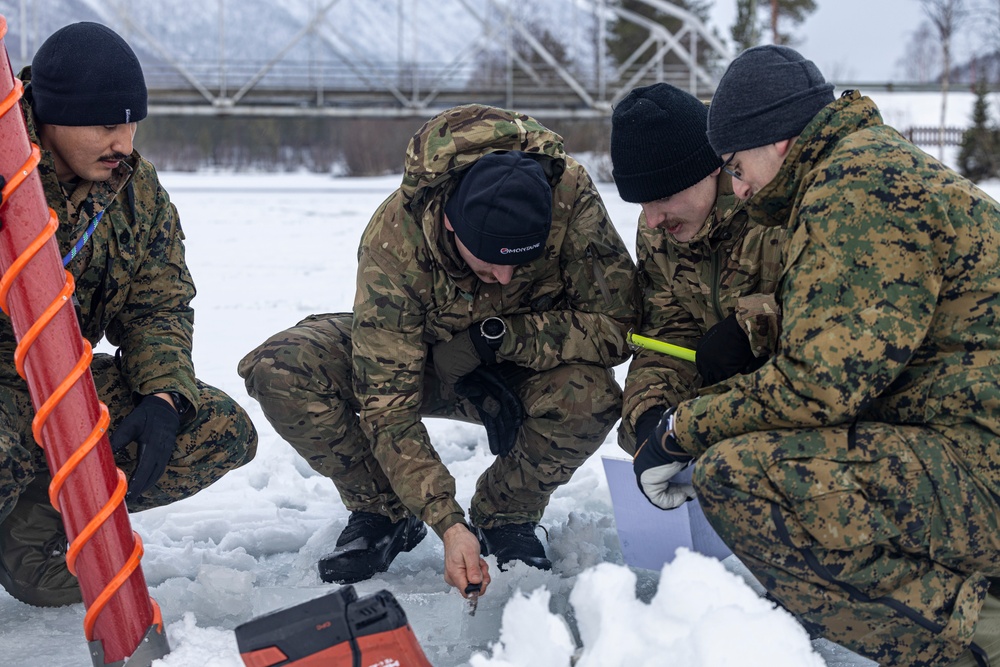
(503, 274)
(122, 139)
(741, 189)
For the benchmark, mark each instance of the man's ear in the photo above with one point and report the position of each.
(447, 222)
(784, 146)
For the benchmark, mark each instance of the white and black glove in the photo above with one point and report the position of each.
(657, 461)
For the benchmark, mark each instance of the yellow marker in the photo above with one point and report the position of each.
(659, 346)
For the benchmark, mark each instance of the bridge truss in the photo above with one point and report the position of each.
(401, 58)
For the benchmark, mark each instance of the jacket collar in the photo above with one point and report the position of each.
(773, 204)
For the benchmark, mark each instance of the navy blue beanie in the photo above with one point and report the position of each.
(768, 94)
(85, 74)
(502, 209)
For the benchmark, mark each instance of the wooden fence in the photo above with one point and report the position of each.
(930, 136)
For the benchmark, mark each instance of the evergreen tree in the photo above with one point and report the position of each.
(979, 156)
(625, 37)
(746, 30)
(795, 11)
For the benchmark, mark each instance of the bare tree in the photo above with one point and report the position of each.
(920, 61)
(946, 16)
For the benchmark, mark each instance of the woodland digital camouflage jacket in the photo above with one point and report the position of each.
(572, 305)
(686, 288)
(132, 283)
(890, 296)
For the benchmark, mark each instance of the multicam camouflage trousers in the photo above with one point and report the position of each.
(302, 378)
(217, 439)
(879, 537)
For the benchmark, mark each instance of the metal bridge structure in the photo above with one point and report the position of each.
(397, 58)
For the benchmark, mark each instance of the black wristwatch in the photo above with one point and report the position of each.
(493, 330)
(180, 403)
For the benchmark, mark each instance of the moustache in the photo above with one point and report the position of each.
(114, 157)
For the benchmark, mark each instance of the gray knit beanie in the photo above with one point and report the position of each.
(768, 94)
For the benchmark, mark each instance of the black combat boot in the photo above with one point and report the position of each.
(368, 545)
(33, 552)
(514, 541)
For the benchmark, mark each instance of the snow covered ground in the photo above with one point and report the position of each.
(267, 250)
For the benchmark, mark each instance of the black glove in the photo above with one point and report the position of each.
(724, 351)
(657, 461)
(154, 425)
(499, 408)
(467, 351)
(646, 424)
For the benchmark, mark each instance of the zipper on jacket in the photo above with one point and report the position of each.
(716, 271)
(602, 282)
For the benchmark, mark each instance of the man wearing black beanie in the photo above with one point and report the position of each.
(706, 273)
(857, 474)
(171, 433)
(493, 288)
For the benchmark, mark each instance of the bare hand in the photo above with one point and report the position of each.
(462, 563)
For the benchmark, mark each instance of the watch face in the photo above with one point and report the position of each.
(493, 327)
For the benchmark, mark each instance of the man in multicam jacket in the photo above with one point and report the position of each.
(706, 273)
(492, 287)
(123, 245)
(857, 473)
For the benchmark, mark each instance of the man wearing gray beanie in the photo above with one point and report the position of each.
(171, 433)
(707, 273)
(858, 473)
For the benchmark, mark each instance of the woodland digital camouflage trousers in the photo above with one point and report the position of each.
(878, 536)
(302, 378)
(219, 438)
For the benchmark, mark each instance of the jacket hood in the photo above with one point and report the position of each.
(450, 142)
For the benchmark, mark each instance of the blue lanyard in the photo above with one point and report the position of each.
(83, 240)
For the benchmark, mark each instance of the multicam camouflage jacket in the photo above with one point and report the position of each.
(572, 305)
(731, 265)
(890, 296)
(132, 283)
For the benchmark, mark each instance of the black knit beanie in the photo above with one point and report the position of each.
(85, 74)
(658, 143)
(768, 94)
(502, 209)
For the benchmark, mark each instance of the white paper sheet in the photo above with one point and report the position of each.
(649, 536)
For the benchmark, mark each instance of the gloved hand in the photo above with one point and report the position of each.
(657, 461)
(645, 425)
(724, 351)
(465, 352)
(153, 424)
(499, 408)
